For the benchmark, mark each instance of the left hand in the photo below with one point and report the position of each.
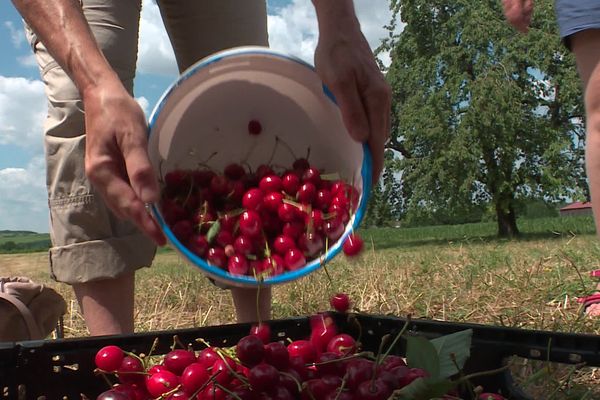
(346, 64)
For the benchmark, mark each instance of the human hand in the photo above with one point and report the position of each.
(116, 159)
(346, 64)
(518, 13)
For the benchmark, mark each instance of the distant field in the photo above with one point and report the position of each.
(23, 241)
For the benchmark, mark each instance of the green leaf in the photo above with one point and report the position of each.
(459, 344)
(421, 353)
(424, 389)
(212, 231)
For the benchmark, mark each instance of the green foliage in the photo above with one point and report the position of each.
(23, 241)
(482, 115)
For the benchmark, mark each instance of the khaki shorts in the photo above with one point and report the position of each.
(88, 242)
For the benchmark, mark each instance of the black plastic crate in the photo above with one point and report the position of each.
(63, 369)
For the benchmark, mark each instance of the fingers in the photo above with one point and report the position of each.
(351, 106)
(121, 198)
(140, 172)
(378, 106)
(518, 13)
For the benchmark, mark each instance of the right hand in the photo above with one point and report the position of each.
(518, 13)
(116, 158)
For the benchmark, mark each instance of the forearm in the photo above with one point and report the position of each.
(593, 172)
(335, 14)
(61, 26)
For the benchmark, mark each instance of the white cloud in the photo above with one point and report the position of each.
(144, 103)
(22, 112)
(28, 60)
(17, 35)
(23, 203)
(155, 54)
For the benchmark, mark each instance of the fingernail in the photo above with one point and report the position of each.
(148, 195)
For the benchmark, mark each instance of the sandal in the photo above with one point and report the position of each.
(589, 300)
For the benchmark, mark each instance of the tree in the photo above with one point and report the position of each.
(482, 114)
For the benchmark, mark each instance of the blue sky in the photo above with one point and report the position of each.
(23, 204)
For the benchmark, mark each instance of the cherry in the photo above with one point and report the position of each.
(156, 368)
(373, 390)
(198, 245)
(306, 193)
(109, 358)
(327, 364)
(222, 370)
(243, 245)
(216, 256)
(281, 392)
(234, 171)
(273, 265)
(290, 183)
(294, 259)
(310, 243)
(207, 357)
(224, 238)
(180, 394)
(250, 223)
(254, 127)
(183, 230)
(283, 243)
(241, 393)
(263, 376)
(238, 265)
(390, 379)
(131, 391)
(315, 389)
(353, 245)
(312, 175)
(293, 229)
(263, 170)
(303, 349)
(177, 360)
(272, 201)
(112, 395)
(340, 302)
(270, 183)
(392, 361)
(263, 331)
(323, 329)
(250, 350)
(131, 370)
(161, 382)
(212, 392)
(288, 212)
(337, 395)
(252, 199)
(316, 219)
(358, 370)
(276, 354)
(193, 377)
(301, 164)
(323, 199)
(342, 344)
(334, 228)
(219, 185)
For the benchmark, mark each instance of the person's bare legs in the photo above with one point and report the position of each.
(107, 305)
(586, 48)
(246, 305)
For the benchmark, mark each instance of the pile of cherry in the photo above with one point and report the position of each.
(327, 365)
(259, 223)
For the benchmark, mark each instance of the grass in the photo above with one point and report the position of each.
(461, 273)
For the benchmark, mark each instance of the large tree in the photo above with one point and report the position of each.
(483, 114)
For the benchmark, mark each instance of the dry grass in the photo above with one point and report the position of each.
(530, 284)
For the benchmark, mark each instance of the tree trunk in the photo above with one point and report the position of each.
(507, 222)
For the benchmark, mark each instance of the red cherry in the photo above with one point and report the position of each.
(131, 370)
(161, 382)
(238, 265)
(316, 219)
(193, 377)
(290, 183)
(272, 201)
(228, 222)
(270, 183)
(112, 395)
(219, 185)
(222, 370)
(252, 199)
(303, 349)
(243, 245)
(340, 302)
(224, 238)
(301, 164)
(358, 370)
(234, 171)
(373, 390)
(312, 175)
(250, 223)
(327, 365)
(310, 243)
(282, 243)
(288, 212)
(263, 331)
(207, 357)
(276, 354)
(263, 376)
(109, 358)
(342, 344)
(306, 193)
(294, 259)
(273, 265)
(334, 228)
(178, 395)
(216, 256)
(293, 229)
(323, 199)
(254, 127)
(263, 170)
(177, 360)
(198, 245)
(250, 350)
(212, 392)
(183, 230)
(353, 245)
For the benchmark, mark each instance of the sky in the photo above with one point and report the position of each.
(292, 29)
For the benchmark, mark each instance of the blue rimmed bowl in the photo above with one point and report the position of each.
(202, 119)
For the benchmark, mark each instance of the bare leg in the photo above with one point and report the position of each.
(246, 306)
(107, 305)
(586, 47)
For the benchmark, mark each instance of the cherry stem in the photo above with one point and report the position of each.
(398, 336)
(378, 359)
(364, 354)
(298, 383)
(341, 388)
(229, 392)
(353, 319)
(287, 146)
(170, 392)
(178, 341)
(273, 152)
(152, 348)
(103, 374)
